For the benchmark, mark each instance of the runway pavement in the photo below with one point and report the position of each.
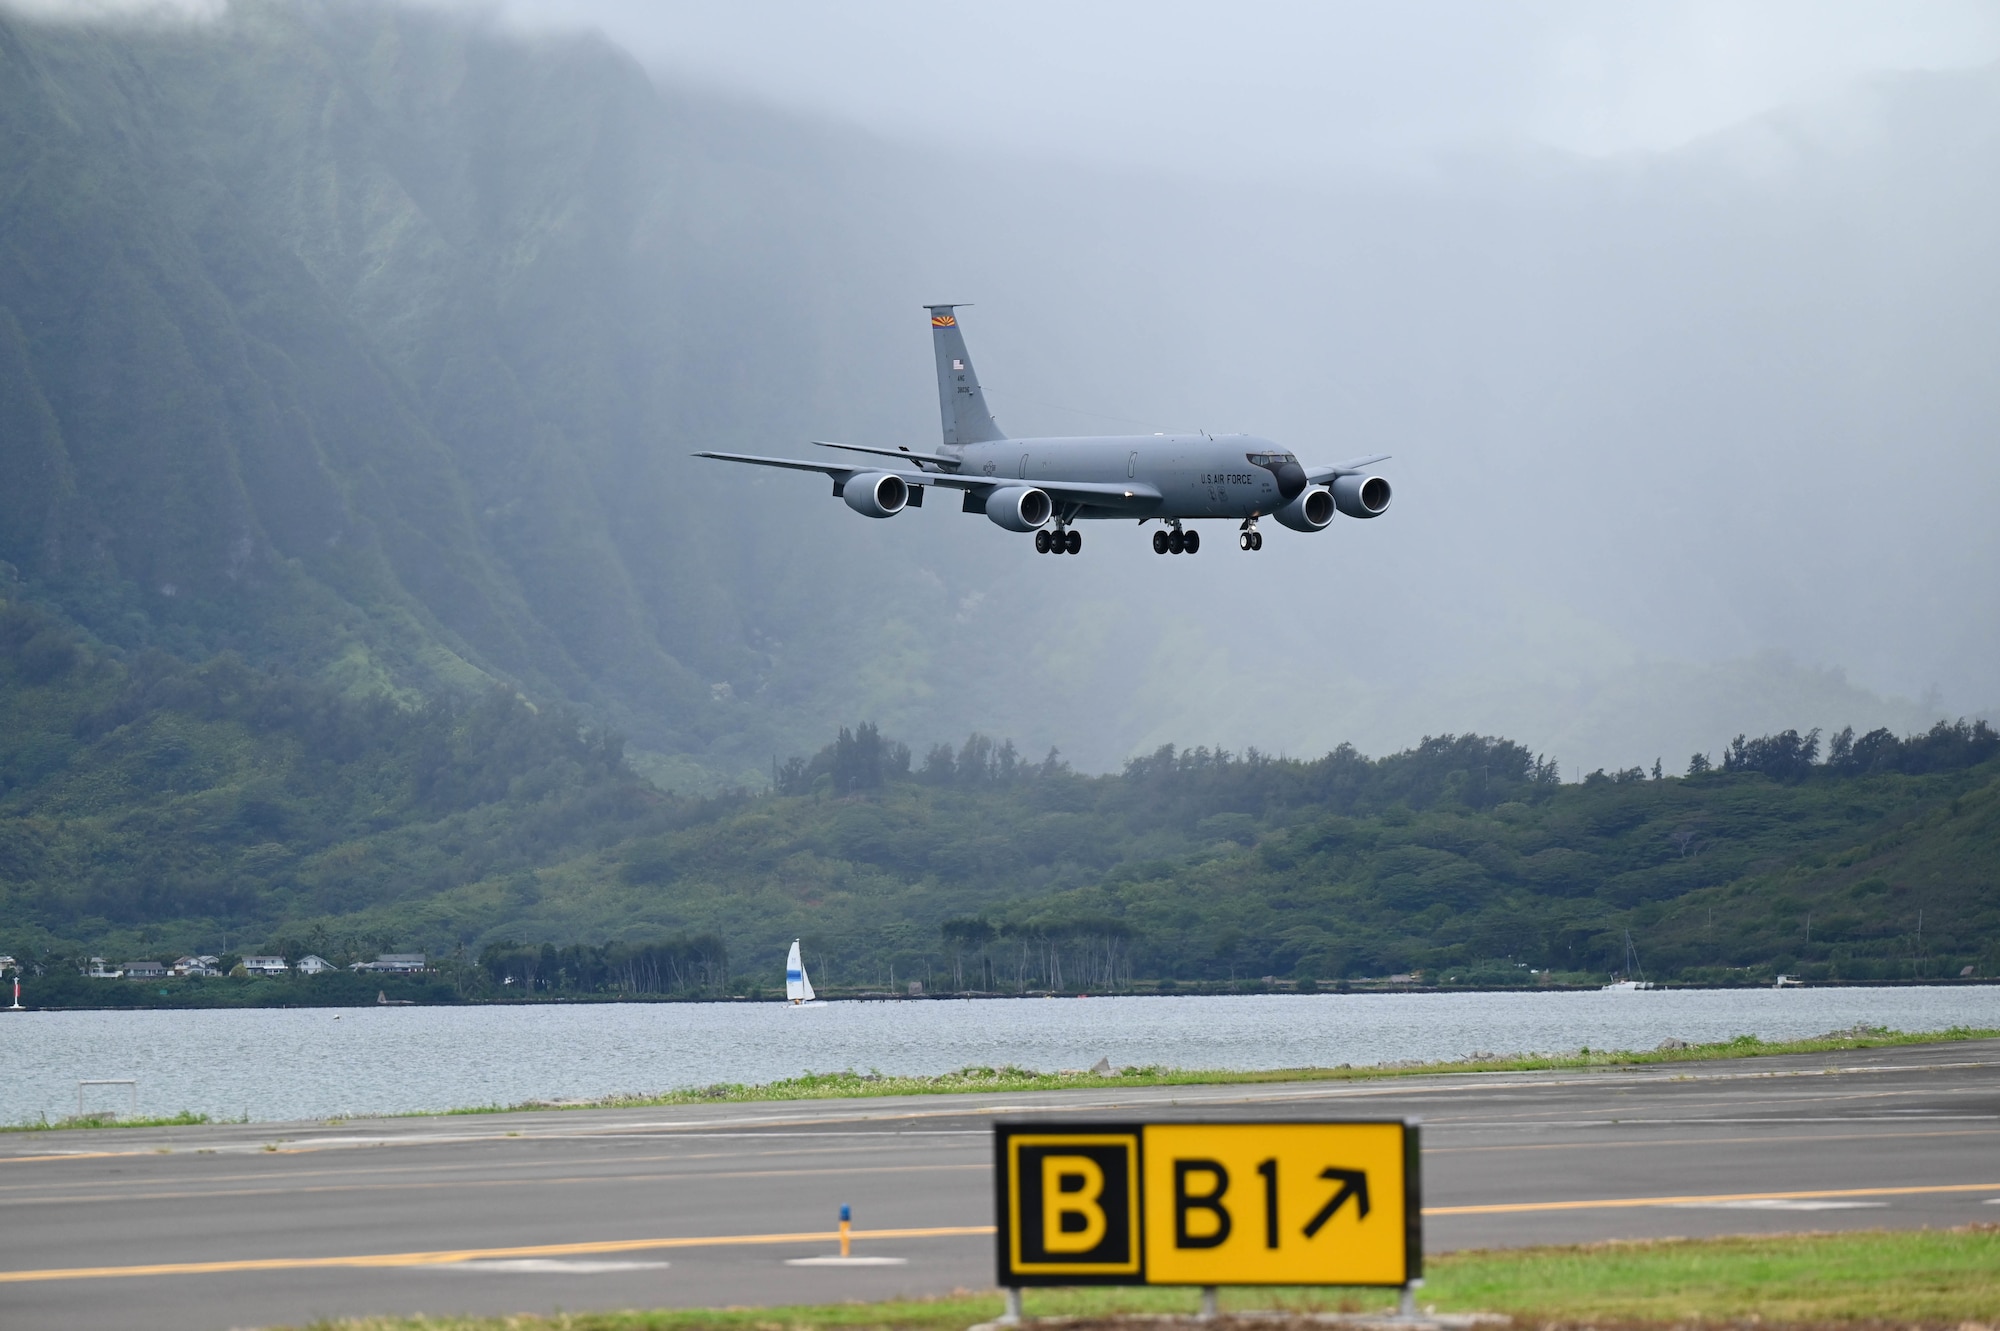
(252, 1225)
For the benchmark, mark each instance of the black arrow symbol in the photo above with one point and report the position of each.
(1353, 1183)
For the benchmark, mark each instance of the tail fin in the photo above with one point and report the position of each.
(963, 406)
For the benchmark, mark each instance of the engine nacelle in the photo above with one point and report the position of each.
(1019, 507)
(1310, 510)
(876, 494)
(1361, 496)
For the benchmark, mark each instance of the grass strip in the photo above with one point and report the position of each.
(965, 1081)
(1912, 1278)
(186, 1118)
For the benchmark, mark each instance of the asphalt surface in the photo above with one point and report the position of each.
(704, 1205)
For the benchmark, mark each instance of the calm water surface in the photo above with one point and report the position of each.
(278, 1065)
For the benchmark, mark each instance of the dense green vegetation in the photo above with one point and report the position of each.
(150, 807)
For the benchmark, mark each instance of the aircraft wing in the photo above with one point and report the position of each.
(795, 464)
(1109, 494)
(1133, 494)
(900, 454)
(1321, 475)
(840, 471)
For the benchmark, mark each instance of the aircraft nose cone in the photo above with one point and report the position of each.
(1291, 479)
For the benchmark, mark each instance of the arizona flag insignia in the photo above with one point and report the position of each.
(943, 321)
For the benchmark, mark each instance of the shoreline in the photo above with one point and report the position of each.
(1191, 989)
(850, 1085)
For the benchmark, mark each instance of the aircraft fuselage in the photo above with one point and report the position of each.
(1196, 475)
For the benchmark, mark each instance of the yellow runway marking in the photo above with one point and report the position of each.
(445, 1257)
(1612, 1203)
(448, 1256)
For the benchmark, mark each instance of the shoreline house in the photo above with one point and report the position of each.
(99, 970)
(393, 963)
(195, 966)
(311, 964)
(265, 965)
(145, 970)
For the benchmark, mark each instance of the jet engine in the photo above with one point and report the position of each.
(1019, 507)
(876, 494)
(1310, 511)
(1361, 496)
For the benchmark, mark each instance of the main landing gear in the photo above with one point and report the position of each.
(1250, 538)
(1061, 541)
(1176, 542)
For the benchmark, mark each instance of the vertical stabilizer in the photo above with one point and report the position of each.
(963, 406)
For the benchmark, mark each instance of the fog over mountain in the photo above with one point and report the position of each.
(373, 341)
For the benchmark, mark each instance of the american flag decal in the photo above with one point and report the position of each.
(943, 321)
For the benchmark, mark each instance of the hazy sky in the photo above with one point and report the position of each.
(1280, 86)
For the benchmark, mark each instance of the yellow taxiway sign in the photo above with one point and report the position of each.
(1270, 1203)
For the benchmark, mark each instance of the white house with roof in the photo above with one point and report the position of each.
(101, 970)
(311, 964)
(393, 963)
(145, 970)
(265, 965)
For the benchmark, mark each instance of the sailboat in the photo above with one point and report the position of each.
(798, 988)
(1628, 984)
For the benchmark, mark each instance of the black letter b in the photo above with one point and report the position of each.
(1210, 1201)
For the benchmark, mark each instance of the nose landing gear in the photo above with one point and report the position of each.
(1250, 538)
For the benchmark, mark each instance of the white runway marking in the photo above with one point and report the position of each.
(847, 1261)
(540, 1266)
(1777, 1204)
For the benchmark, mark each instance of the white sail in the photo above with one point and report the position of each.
(798, 988)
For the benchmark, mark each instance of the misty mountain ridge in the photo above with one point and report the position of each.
(154, 808)
(370, 343)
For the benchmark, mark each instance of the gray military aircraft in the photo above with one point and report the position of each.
(1046, 485)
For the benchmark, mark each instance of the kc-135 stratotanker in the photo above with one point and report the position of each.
(1045, 486)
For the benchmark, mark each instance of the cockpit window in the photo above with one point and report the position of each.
(1269, 459)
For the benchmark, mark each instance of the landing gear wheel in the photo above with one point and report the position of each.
(1160, 542)
(1243, 542)
(1256, 540)
(1191, 541)
(1042, 542)
(1075, 540)
(1176, 543)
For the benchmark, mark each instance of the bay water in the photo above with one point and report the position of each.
(292, 1064)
